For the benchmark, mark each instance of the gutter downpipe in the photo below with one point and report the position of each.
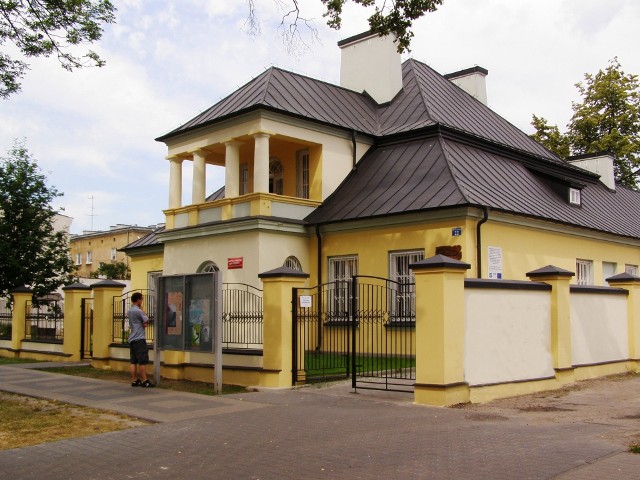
(320, 293)
(485, 217)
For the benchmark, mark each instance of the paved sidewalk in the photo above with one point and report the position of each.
(321, 433)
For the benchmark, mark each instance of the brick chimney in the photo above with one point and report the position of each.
(472, 81)
(371, 63)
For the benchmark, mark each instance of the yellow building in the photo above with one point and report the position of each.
(91, 248)
(395, 165)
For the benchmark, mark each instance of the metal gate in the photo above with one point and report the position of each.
(86, 329)
(362, 329)
(121, 305)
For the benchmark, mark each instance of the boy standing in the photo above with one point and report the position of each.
(138, 349)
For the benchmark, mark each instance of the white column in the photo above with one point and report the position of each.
(199, 186)
(232, 169)
(175, 182)
(261, 163)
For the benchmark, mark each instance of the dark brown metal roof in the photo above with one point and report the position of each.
(426, 99)
(440, 172)
(146, 241)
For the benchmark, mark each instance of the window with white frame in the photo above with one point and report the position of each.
(632, 270)
(584, 272)
(302, 181)
(114, 253)
(244, 179)
(78, 259)
(276, 177)
(608, 270)
(208, 267)
(293, 263)
(575, 196)
(403, 292)
(341, 271)
(89, 257)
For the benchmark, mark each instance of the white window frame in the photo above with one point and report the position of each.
(403, 296)
(607, 266)
(276, 176)
(632, 269)
(78, 259)
(244, 179)
(302, 174)
(584, 271)
(89, 257)
(340, 272)
(114, 253)
(293, 263)
(208, 267)
(575, 196)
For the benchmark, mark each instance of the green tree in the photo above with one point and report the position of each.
(394, 17)
(112, 271)
(607, 119)
(49, 27)
(32, 253)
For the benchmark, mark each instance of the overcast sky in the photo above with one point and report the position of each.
(92, 131)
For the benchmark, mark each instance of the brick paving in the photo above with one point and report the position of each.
(321, 433)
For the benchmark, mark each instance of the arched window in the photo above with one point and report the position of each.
(276, 176)
(293, 263)
(208, 267)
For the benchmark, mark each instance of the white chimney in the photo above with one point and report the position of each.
(371, 63)
(472, 81)
(598, 163)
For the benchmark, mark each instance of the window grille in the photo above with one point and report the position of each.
(631, 269)
(341, 271)
(114, 253)
(403, 292)
(574, 196)
(78, 259)
(293, 263)
(208, 267)
(584, 272)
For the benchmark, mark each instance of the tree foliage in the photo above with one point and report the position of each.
(388, 17)
(49, 27)
(607, 119)
(32, 253)
(112, 271)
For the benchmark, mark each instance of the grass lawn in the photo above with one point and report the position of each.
(124, 377)
(10, 361)
(338, 364)
(26, 421)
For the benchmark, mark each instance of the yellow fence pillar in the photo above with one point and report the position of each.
(440, 331)
(559, 280)
(103, 293)
(632, 284)
(277, 330)
(21, 296)
(73, 295)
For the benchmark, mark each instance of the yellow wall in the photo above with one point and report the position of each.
(141, 265)
(100, 245)
(525, 248)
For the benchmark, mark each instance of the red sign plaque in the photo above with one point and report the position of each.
(234, 262)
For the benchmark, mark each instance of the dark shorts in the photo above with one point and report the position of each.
(139, 352)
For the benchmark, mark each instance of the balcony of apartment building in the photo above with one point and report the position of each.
(266, 175)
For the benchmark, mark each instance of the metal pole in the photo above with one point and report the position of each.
(156, 335)
(217, 326)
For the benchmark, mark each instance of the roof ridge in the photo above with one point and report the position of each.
(452, 171)
(427, 107)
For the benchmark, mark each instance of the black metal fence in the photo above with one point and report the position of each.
(6, 318)
(363, 329)
(86, 330)
(122, 304)
(242, 319)
(44, 321)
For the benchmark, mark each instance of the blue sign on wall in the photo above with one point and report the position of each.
(456, 232)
